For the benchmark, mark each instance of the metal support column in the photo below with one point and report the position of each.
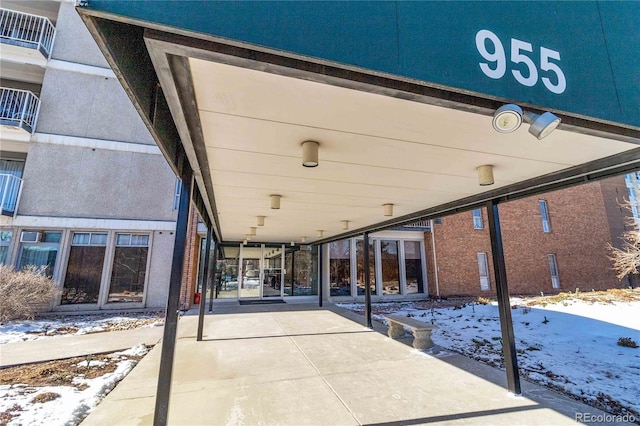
(203, 290)
(367, 282)
(173, 301)
(320, 274)
(504, 306)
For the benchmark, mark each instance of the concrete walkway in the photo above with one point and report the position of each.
(62, 347)
(297, 364)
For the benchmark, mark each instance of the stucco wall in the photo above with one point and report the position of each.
(89, 106)
(73, 181)
(73, 42)
(160, 269)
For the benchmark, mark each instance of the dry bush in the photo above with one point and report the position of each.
(23, 293)
(626, 258)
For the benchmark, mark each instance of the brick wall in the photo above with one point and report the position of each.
(190, 266)
(581, 226)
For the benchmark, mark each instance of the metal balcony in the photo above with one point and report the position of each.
(19, 109)
(10, 188)
(27, 31)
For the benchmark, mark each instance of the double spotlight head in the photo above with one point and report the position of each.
(508, 118)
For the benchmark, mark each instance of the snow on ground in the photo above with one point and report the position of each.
(18, 331)
(570, 346)
(73, 404)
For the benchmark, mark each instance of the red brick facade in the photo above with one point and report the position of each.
(191, 257)
(584, 219)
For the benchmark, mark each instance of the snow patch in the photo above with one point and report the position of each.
(568, 346)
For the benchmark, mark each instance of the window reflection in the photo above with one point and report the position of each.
(129, 268)
(390, 267)
(340, 268)
(360, 266)
(413, 267)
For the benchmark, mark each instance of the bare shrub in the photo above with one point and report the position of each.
(23, 293)
(627, 342)
(626, 258)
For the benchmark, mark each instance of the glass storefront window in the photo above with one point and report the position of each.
(340, 268)
(360, 266)
(84, 269)
(413, 267)
(288, 273)
(299, 273)
(303, 270)
(41, 251)
(5, 243)
(129, 268)
(250, 279)
(272, 282)
(227, 274)
(390, 267)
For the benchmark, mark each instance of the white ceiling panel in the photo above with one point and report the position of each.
(373, 150)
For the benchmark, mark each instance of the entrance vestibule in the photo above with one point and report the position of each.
(265, 271)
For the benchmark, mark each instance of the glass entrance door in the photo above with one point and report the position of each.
(272, 282)
(261, 271)
(251, 272)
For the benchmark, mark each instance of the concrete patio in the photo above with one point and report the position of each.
(299, 364)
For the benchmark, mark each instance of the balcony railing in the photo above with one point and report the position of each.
(418, 224)
(19, 108)
(27, 30)
(10, 187)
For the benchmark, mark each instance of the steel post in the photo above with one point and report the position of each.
(367, 282)
(173, 301)
(504, 306)
(203, 290)
(320, 274)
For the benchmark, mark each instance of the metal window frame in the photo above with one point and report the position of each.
(544, 212)
(478, 223)
(553, 265)
(486, 270)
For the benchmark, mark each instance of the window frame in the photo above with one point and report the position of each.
(478, 222)
(553, 266)
(67, 257)
(377, 257)
(485, 280)
(42, 243)
(544, 213)
(7, 244)
(111, 254)
(341, 260)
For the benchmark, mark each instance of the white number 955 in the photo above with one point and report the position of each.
(491, 49)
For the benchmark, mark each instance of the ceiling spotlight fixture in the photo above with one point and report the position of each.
(253, 230)
(303, 239)
(293, 243)
(388, 209)
(541, 125)
(310, 153)
(320, 233)
(261, 220)
(345, 224)
(275, 201)
(507, 118)
(485, 175)
(244, 242)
